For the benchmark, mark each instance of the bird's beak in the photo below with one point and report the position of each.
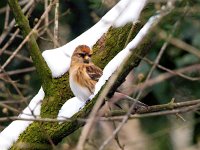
(86, 59)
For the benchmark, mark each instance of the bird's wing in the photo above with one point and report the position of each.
(94, 72)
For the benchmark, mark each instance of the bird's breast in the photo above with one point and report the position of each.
(79, 90)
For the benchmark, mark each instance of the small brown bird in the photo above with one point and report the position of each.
(83, 73)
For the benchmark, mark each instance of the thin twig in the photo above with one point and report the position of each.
(40, 64)
(42, 29)
(12, 23)
(19, 71)
(51, 36)
(56, 44)
(17, 89)
(12, 83)
(20, 57)
(9, 41)
(182, 110)
(7, 17)
(181, 44)
(172, 72)
(28, 36)
(160, 113)
(47, 16)
(117, 136)
(156, 110)
(9, 108)
(3, 10)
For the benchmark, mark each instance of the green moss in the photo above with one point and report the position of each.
(58, 94)
(111, 43)
(37, 138)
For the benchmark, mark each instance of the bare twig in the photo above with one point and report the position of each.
(9, 108)
(9, 41)
(7, 17)
(28, 36)
(42, 29)
(181, 44)
(12, 23)
(12, 83)
(51, 36)
(166, 76)
(47, 16)
(156, 110)
(181, 110)
(161, 113)
(56, 43)
(117, 136)
(173, 72)
(21, 3)
(20, 57)
(19, 71)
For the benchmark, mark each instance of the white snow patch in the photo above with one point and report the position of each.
(131, 12)
(11, 133)
(71, 107)
(57, 61)
(33, 109)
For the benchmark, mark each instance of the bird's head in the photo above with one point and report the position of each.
(82, 54)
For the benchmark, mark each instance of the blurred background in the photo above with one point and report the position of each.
(19, 81)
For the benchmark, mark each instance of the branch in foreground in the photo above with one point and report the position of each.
(191, 108)
(167, 75)
(155, 110)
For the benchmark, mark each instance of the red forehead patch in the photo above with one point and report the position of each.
(84, 48)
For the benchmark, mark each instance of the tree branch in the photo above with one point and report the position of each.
(170, 108)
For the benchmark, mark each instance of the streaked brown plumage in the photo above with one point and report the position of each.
(83, 73)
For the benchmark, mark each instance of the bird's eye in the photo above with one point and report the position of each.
(89, 55)
(82, 54)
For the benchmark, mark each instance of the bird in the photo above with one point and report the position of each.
(83, 74)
